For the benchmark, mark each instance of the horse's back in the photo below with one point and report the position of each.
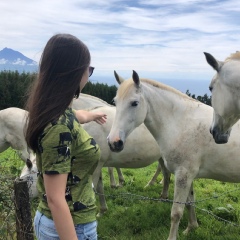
(12, 117)
(12, 122)
(12, 112)
(86, 101)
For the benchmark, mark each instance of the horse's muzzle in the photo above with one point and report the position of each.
(116, 146)
(220, 138)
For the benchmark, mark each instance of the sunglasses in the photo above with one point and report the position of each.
(90, 70)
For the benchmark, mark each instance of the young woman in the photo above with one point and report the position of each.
(66, 155)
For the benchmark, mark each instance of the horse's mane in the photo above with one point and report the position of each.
(233, 56)
(155, 84)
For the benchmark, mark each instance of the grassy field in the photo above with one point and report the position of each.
(135, 213)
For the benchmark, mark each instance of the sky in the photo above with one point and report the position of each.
(162, 40)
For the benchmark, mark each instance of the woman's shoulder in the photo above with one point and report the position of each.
(67, 119)
(67, 122)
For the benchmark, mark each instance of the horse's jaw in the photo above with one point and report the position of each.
(222, 126)
(220, 137)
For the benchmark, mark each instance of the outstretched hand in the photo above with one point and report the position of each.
(85, 116)
(100, 118)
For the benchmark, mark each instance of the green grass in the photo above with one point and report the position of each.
(10, 167)
(128, 217)
(10, 162)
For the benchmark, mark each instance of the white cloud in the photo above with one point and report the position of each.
(165, 38)
(3, 61)
(19, 62)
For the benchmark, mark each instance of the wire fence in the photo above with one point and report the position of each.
(132, 196)
(7, 209)
(8, 214)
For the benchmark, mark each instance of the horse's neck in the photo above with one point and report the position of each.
(163, 103)
(167, 111)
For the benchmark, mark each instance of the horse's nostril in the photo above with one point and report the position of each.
(214, 132)
(118, 144)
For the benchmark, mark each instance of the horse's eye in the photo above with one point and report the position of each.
(210, 88)
(134, 104)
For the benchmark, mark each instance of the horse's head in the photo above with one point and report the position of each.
(225, 88)
(131, 110)
(29, 174)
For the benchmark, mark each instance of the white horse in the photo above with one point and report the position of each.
(141, 152)
(180, 125)
(12, 122)
(30, 175)
(87, 102)
(225, 88)
(11, 133)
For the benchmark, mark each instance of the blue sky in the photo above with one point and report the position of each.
(161, 40)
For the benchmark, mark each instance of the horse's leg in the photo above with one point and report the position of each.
(166, 179)
(97, 173)
(120, 177)
(112, 178)
(154, 178)
(183, 182)
(100, 193)
(192, 219)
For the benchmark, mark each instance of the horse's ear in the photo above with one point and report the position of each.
(118, 78)
(213, 62)
(135, 78)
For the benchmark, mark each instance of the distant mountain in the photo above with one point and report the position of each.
(16, 61)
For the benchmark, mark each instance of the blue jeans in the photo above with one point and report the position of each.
(45, 229)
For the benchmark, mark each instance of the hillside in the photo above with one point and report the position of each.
(16, 61)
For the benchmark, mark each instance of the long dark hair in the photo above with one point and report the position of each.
(63, 62)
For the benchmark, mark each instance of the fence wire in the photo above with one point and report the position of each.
(132, 196)
(7, 208)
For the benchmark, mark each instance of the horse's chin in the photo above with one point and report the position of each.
(221, 138)
(116, 150)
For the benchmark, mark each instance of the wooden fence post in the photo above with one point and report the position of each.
(23, 210)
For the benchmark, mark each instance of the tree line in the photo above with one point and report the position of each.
(14, 87)
(204, 99)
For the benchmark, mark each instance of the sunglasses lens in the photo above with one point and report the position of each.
(90, 71)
